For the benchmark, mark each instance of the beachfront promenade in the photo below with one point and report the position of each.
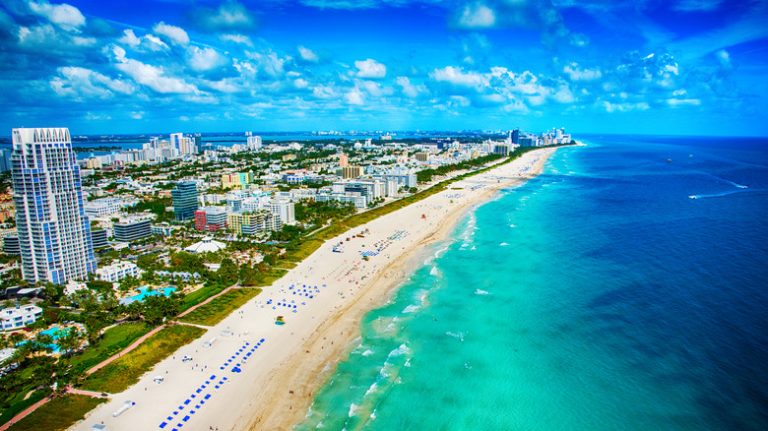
(249, 370)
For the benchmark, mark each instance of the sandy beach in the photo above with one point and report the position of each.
(248, 373)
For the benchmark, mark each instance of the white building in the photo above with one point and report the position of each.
(118, 271)
(54, 232)
(285, 209)
(106, 206)
(19, 317)
(253, 142)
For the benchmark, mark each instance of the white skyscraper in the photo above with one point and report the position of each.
(253, 142)
(54, 233)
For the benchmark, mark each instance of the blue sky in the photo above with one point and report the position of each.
(653, 66)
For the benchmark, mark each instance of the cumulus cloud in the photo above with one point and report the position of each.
(63, 15)
(176, 35)
(476, 15)
(147, 43)
(355, 97)
(236, 38)
(307, 54)
(370, 68)
(457, 76)
(79, 82)
(408, 88)
(204, 59)
(152, 77)
(577, 73)
(229, 16)
(50, 40)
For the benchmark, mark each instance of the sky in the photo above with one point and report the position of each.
(688, 67)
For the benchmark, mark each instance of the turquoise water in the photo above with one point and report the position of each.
(146, 291)
(55, 332)
(597, 296)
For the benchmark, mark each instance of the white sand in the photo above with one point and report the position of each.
(278, 381)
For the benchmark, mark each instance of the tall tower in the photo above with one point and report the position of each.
(54, 232)
(184, 197)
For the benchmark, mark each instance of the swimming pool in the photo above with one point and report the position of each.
(145, 292)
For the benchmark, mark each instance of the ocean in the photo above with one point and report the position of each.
(625, 288)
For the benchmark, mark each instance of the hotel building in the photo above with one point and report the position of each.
(54, 232)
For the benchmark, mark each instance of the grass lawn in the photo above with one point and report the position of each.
(127, 370)
(112, 341)
(59, 414)
(216, 310)
(18, 403)
(200, 295)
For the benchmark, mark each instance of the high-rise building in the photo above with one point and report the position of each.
(132, 228)
(343, 160)
(516, 136)
(5, 160)
(54, 232)
(253, 142)
(184, 200)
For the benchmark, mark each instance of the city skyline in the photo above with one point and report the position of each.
(686, 67)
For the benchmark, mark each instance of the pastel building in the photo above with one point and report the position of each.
(238, 180)
(253, 223)
(210, 218)
(54, 232)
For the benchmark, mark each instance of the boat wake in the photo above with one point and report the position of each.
(717, 195)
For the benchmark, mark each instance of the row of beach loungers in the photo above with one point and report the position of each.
(197, 399)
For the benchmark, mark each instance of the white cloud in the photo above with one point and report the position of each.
(300, 83)
(175, 34)
(355, 97)
(370, 68)
(153, 77)
(324, 92)
(129, 38)
(307, 54)
(64, 15)
(625, 107)
(137, 115)
(476, 15)
(204, 59)
(683, 102)
(226, 85)
(230, 15)
(269, 63)
(147, 42)
(576, 73)
(457, 76)
(236, 38)
(408, 88)
(79, 82)
(46, 37)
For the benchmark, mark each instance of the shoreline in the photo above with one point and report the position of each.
(275, 389)
(306, 376)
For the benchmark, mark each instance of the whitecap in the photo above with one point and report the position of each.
(367, 352)
(434, 271)
(371, 389)
(411, 309)
(457, 335)
(352, 409)
(504, 244)
(481, 292)
(513, 225)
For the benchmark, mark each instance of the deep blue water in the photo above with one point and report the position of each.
(598, 296)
